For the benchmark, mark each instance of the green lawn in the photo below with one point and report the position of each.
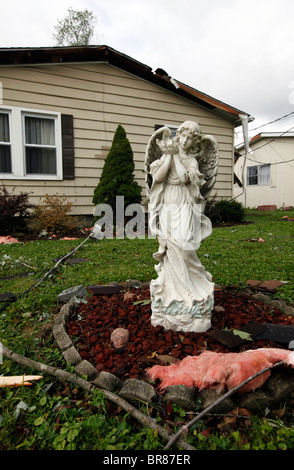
(44, 416)
(227, 254)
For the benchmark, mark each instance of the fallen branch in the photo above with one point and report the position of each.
(89, 387)
(185, 427)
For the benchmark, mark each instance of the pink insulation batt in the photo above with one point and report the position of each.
(221, 371)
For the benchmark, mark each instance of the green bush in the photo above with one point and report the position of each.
(224, 211)
(13, 210)
(117, 178)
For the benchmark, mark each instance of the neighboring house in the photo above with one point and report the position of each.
(60, 107)
(268, 174)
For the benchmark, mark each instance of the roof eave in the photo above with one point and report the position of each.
(103, 53)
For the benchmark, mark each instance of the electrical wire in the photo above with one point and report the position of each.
(270, 122)
(63, 258)
(267, 143)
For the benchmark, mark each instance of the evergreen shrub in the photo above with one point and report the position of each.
(117, 178)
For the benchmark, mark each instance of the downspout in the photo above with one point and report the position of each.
(244, 121)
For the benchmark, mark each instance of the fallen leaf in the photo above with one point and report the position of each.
(154, 354)
(242, 334)
(244, 412)
(148, 359)
(279, 413)
(205, 432)
(129, 296)
(167, 358)
(143, 302)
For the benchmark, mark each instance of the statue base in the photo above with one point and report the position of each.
(179, 317)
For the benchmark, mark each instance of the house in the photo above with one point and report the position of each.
(60, 107)
(267, 174)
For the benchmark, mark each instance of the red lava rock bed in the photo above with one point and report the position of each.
(93, 322)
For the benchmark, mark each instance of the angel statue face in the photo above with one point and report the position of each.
(188, 135)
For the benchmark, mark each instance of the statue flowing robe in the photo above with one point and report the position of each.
(182, 295)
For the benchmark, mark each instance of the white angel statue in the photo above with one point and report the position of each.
(180, 173)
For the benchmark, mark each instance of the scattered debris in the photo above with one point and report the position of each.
(67, 294)
(267, 208)
(260, 240)
(277, 333)
(129, 296)
(230, 339)
(69, 238)
(221, 371)
(76, 260)
(8, 240)
(18, 380)
(8, 297)
(282, 334)
(90, 387)
(104, 290)
(219, 309)
(267, 285)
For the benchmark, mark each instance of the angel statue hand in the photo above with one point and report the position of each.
(167, 146)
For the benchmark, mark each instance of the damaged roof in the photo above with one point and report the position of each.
(103, 53)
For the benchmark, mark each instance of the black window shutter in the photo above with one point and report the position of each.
(67, 147)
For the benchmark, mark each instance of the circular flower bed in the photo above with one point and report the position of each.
(93, 322)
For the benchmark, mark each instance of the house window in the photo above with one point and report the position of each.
(259, 175)
(172, 128)
(5, 145)
(40, 145)
(30, 144)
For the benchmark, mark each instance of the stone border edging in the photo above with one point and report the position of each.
(276, 388)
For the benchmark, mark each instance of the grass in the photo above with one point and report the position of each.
(51, 415)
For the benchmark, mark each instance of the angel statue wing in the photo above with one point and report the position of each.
(153, 152)
(208, 163)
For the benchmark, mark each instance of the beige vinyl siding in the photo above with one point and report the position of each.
(100, 97)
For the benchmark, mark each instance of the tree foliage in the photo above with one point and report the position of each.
(76, 29)
(117, 178)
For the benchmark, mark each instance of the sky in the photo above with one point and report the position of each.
(240, 52)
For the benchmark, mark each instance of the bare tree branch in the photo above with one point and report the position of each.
(89, 387)
(185, 428)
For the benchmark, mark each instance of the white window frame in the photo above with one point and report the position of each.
(8, 144)
(172, 127)
(17, 141)
(258, 175)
